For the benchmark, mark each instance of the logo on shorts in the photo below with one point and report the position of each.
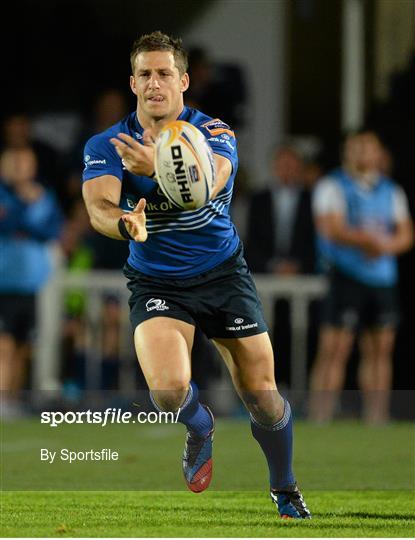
(156, 304)
(238, 320)
(240, 326)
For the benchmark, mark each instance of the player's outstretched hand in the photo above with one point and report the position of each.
(138, 158)
(135, 222)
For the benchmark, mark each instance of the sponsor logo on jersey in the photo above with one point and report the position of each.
(138, 135)
(159, 207)
(217, 127)
(238, 320)
(88, 161)
(224, 139)
(156, 304)
(180, 173)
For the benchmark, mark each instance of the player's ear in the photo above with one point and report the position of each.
(132, 85)
(184, 82)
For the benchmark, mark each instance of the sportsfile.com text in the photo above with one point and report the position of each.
(109, 416)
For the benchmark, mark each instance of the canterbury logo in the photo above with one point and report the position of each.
(156, 304)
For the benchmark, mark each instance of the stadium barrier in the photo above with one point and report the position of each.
(298, 290)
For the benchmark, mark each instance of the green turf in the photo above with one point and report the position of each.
(345, 455)
(358, 481)
(211, 514)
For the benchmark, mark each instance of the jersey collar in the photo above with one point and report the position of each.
(138, 129)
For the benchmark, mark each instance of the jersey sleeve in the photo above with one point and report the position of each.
(100, 158)
(328, 198)
(221, 139)
(400, 205)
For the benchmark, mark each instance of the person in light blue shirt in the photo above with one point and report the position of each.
(29, 219)
(363, 224)
(186, 268)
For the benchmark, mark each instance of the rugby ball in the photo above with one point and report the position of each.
(184, 165)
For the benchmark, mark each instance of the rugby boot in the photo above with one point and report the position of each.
(290, 503)
(197, 459)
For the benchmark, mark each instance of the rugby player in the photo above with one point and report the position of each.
(187, 269)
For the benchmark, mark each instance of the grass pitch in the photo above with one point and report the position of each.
(211, 514)
(357, 481)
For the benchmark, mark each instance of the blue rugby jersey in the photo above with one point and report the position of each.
(180, 243)
(371, 210)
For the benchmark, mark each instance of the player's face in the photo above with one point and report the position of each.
(158, 85)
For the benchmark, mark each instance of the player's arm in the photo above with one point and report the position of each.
(223, 172)
(334, 227)
(102, 197)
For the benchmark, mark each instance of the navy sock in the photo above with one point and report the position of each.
(277, 442)
(192, 414)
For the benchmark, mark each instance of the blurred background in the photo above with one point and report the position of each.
(292, 77)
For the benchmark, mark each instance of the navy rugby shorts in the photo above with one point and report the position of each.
(354, 305)
(223, 301)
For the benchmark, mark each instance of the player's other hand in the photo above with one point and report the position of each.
(137, 158)
(135, 222)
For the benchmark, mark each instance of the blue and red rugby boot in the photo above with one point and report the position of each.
(197, 459)
(290, 503)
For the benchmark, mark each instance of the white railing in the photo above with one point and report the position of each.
(299, 291)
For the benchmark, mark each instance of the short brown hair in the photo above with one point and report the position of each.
(157, 41)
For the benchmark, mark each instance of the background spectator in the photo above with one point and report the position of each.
(363, 223)
(280, 226)
(17, 132)
(29, 219)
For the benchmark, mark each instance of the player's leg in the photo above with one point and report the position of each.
(375, 373)
(163, 347)
(8, 348)
(250, 361)
(328, 371)
(251, 365)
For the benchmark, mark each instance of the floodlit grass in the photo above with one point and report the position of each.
(345, 455)
(357, 481)
(211, 514)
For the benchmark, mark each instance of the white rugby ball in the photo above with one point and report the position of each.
(184, 165)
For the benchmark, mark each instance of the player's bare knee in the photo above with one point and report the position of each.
(169, 400)
(266, 406)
